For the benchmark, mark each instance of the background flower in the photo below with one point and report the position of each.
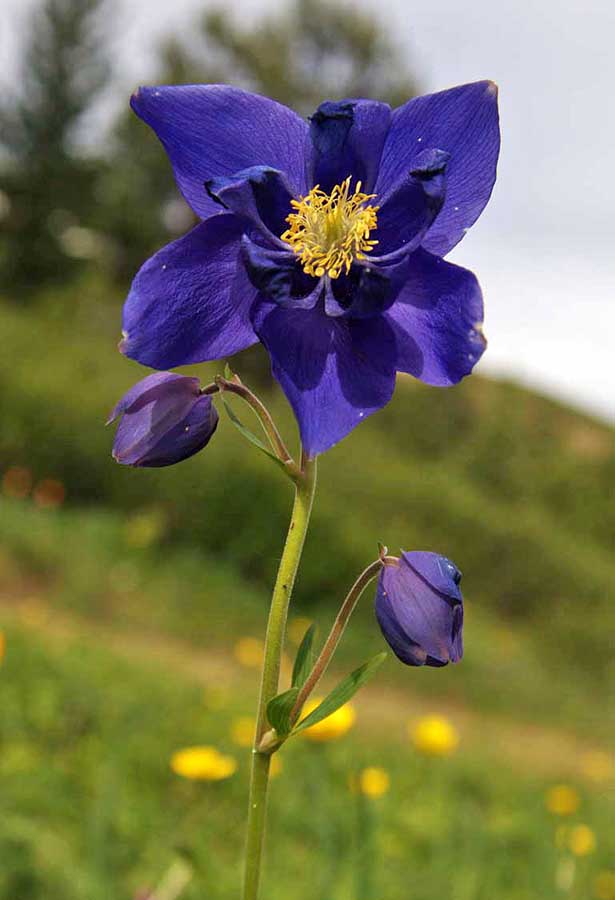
(562, 800)
(374, 781)
(203, 763)
(582, 840)
(333, 727)
(434, 736)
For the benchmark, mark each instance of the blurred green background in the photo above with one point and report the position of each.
(124, 594)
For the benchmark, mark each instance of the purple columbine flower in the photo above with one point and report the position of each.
(419, 608)
(165, 419)
(323, 240)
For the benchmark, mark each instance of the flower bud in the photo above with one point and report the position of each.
(164, 419)
(419, 608)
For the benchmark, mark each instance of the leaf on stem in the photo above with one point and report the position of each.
(279, 709)
(305, 658)
(250, 436)
(343, 692)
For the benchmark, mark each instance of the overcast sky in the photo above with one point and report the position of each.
(544, 250)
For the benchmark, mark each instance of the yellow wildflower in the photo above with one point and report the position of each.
(203, 764)
(604, 886)
(374, 782)
(434, 735)
(334, 726)
(242, 731)
(562, 800)
(582, 840)
(249, 652)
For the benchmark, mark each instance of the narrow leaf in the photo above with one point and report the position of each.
(343, 692)
(228, 372)
(279, 709)
(250, 436)
(304, 660)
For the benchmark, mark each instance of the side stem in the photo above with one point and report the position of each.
(289, 563)
(339, 626)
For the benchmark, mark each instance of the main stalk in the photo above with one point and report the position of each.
(257, 811)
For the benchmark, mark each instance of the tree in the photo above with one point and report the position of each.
(49, 186)
(316, 51)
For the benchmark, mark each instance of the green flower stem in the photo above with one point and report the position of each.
(339, 626)
(304, 496)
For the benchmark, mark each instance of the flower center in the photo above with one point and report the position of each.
(329, 231)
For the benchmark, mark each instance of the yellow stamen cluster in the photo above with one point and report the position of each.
(329, 231)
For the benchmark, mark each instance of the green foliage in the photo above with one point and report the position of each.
(304, 661)
(249, 435)
(91, 809)
(279, 710)
(342, 692)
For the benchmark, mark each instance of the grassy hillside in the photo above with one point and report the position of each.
(121, 607)
(91, 809)
(511, 486)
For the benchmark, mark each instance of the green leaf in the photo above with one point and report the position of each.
(249, 436)
(228, 372)
(279, 709)
(304, 660)
(343, 692)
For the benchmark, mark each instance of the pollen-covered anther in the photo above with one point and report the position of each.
(329, 231)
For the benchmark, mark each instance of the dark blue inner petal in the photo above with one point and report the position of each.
(410, 207)
(347, 137)
(258, 194)
(367, 290)
(278, 275)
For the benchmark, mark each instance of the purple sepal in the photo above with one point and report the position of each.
(419, 608)
(164, 420)
(191, 301)
(209, 130)
(437, 319)
(463, 121)
(334, 371)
